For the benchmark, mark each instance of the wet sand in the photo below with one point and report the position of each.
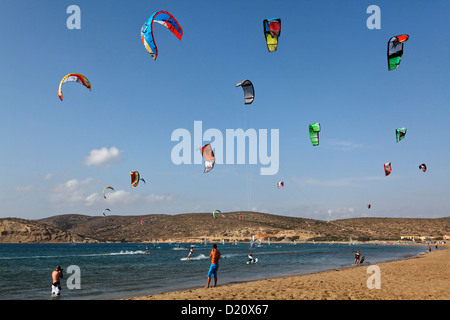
(426, 277)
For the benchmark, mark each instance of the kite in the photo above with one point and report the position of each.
(249, 91)
(73, 77)
(314, 129)
(145, 220)
(280, 184)
(423, 167)
(400, 133)
(104, 211)
(208, 157)
(167, 20)
(272, 30)
(108, 187)
(387, 169)
(214, 213)
(135, 177)
(395, 50)
(368, 206)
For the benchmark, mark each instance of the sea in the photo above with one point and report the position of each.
(110, 271)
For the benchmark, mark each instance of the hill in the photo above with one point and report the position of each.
(195, 227)
(15, 230)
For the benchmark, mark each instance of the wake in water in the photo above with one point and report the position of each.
(225, 256)
(126, 252)
(199, 257)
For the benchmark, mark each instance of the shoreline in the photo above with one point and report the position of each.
(442, 243)
(422, 277)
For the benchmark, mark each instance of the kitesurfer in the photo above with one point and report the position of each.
(250, 257)
(214, 256)
(57, 275)
(191, 251)
(357, 257)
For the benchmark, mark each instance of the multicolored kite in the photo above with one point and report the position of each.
(73, 77)
(272, 31)
(395, 50)
(108, 187)
(387, 169)
(208, 157)
(135, 177)
(423, 167)
(167, 20)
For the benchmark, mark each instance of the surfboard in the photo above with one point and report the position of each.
(362, 260)
(254, 261)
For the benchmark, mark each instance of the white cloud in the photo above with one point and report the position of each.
(78, 194)
(91, 199)
(48, 176)
(103, 156)
(122, 197)
(71, 192)
(341, 213)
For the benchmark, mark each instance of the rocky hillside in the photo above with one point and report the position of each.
(194, 227)
(15, 230)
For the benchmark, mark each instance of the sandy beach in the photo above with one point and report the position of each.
(426, 277)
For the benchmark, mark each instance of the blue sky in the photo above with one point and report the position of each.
(329, 68)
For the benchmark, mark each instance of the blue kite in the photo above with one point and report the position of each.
(167, 20)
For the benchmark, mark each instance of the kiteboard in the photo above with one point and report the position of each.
(362, 260)
(253, 261)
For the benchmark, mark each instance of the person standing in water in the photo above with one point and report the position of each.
(214, 256)
(57, 275)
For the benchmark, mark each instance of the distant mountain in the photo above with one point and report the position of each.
(195, 227)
